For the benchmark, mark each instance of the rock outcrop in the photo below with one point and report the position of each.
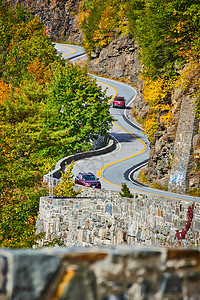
(118, 60)
(58, 17)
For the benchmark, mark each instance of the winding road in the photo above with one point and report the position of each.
(132, 151)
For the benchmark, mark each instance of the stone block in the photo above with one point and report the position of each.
(4, 281)
(32, 272)
(197, 225)
(171, 285)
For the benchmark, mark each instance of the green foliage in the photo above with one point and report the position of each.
(125, 192)
(18, 214)
(54, 243)
(164, 28)
(65, 187)
(77, 111)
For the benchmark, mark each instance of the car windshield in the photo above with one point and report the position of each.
(119, 99)
(89, 177)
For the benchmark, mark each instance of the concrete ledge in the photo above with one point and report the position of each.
(60, 165)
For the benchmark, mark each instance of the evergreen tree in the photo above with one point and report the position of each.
(125, 192)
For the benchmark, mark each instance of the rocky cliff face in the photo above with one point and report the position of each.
(172, 157)
(57, 15)
(118, 60)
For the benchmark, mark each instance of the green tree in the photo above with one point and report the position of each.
(18, 214)
(28, 42)
(165, 30)
(78, 111)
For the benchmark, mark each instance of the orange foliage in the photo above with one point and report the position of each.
(46, 31)
(39, 71)
(5, 90)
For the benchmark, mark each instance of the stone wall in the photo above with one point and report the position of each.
(183, 148)
(111, 273)
(100, 217)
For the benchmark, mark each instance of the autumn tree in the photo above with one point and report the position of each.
(164, 29)
(101, 22)
(65, 188)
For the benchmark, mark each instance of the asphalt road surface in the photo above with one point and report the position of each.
(132, 151)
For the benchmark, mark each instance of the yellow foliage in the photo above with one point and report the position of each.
(155, 92)
(83, 14)
(65, 187)
(105, 27)
(111, 22)
(151, 126)
(167, 118)
(123, 23)
(180, 27)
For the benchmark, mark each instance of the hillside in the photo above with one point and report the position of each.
(155, 46)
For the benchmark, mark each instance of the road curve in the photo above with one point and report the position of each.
(132, 152)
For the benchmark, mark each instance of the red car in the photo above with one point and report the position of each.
(88, 179)
(119, 102)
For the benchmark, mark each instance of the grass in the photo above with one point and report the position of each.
(194, 193)
(143, 179)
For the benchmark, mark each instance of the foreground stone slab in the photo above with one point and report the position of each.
(110, 273)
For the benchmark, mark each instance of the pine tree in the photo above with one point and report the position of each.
(125, 192)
